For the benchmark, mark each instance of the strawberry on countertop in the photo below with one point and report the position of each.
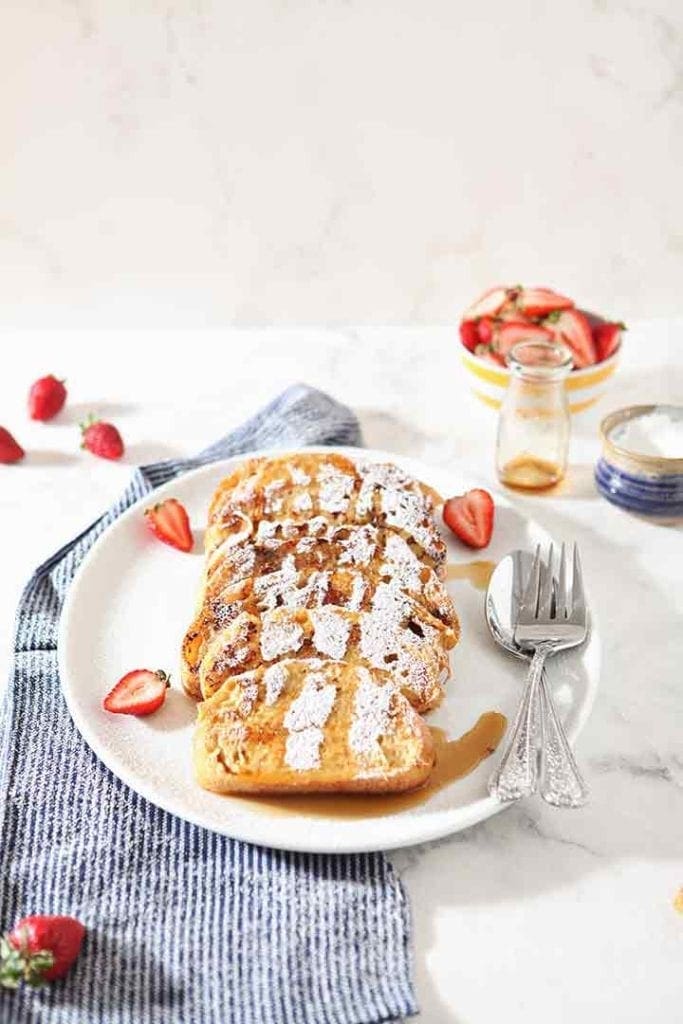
(10, 450)
(470, 517)
(39, 948)
(46, 398)
(102, 439)
(139, 692)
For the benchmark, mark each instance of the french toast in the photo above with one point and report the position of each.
(328, 574)
(293, 582)
(311, 725)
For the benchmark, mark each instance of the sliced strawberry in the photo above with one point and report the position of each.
(607, 338)
(486, 352)
(541, 301)
(469, 335)
(514, 331)
(488, 304)
(140, 692)
(169, 522)
(485, 329)
(572, 327)
(470, 517)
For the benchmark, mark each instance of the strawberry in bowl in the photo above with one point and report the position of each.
(503, 315)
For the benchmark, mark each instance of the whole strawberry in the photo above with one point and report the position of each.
(46, 398)
(101, 439)
(10, 450)
(39, 948)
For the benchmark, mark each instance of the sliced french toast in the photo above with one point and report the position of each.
(395, 569)
(311, 726)
(395, 636)
(322, 629)
(319, 490)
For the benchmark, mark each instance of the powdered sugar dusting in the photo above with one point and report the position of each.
(279, 636)
(371, 719)
(298, 476)
(360, 545)
(302, 502)
(331, 631)
(334, 488)
(275, 680)
(305, 720)
(248, 695)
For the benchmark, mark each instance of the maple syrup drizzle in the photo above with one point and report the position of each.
(454, 759)
(478, 573)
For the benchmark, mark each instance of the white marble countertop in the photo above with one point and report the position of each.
(537, 914)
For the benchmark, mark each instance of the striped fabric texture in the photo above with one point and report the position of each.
(184, 926)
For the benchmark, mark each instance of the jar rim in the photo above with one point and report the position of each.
(540, 360)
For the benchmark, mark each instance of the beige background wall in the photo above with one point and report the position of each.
(253, 161)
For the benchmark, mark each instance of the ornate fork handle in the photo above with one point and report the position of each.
(561, 781)
(517, 774)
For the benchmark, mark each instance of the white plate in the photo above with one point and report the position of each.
(130, 604)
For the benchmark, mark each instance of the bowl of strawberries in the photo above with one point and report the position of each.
(503, 316)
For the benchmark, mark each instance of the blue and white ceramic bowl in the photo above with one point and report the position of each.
(651, 485)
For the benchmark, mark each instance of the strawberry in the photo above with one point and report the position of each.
(485, 329)
(607, 338)
(488, 304)
(101, 439)
(39, 948)
(469, 335)
(572, 327)
(470, 517)
(10, 450)
(486, 352)
(169, 522)
(513, 331)
(139, 692)
(46, 398)
(541, 301)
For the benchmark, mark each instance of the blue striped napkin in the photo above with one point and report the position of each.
(184, 926)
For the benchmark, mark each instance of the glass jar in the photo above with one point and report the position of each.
(533, 429)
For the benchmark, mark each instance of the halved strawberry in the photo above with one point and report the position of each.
(607, 338)
(139, 692)
(541, 301)
(470, 517)
(486, 352)
(572, 327)
(469, 335)
(169, 522)
(488, 304)
(513, 331)
(485, 329)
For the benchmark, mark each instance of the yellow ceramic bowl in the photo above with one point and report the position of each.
(489, 382)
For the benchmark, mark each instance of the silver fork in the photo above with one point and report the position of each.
(551, 618)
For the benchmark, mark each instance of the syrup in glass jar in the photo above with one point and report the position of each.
(533, 429)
